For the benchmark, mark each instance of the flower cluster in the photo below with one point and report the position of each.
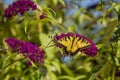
(19, 6)
(91, 51)
(29, 50)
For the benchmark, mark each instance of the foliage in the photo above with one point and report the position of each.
(100, 23)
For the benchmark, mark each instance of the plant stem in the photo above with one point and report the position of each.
(10, 64)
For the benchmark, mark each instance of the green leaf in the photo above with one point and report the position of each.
(57, 65)
(109, 30)
(99, 46)
(62, 2)
(46, 42)
(67, 70)
(80, 77)
(116, 6)
(35, 22)
(72, 28)
(50, 13)
(7, 59)
(55, 2)
(52, 76)
(65, 77)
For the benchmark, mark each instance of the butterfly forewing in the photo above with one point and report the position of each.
(82, 43)
(66, 42)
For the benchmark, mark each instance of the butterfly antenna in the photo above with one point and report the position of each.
(50, 42)
(50, 46)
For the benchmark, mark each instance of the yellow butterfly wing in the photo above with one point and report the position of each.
(66, 42)
(79, 44)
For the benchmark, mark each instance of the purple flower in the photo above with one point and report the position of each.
(42, 16)
(19, 6)
(29, 50)
(90, 51)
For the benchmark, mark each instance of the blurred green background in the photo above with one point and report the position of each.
(98, 20)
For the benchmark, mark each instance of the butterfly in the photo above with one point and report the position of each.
(71, 43)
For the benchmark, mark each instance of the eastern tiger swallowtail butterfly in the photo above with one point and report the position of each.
(71, 43)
